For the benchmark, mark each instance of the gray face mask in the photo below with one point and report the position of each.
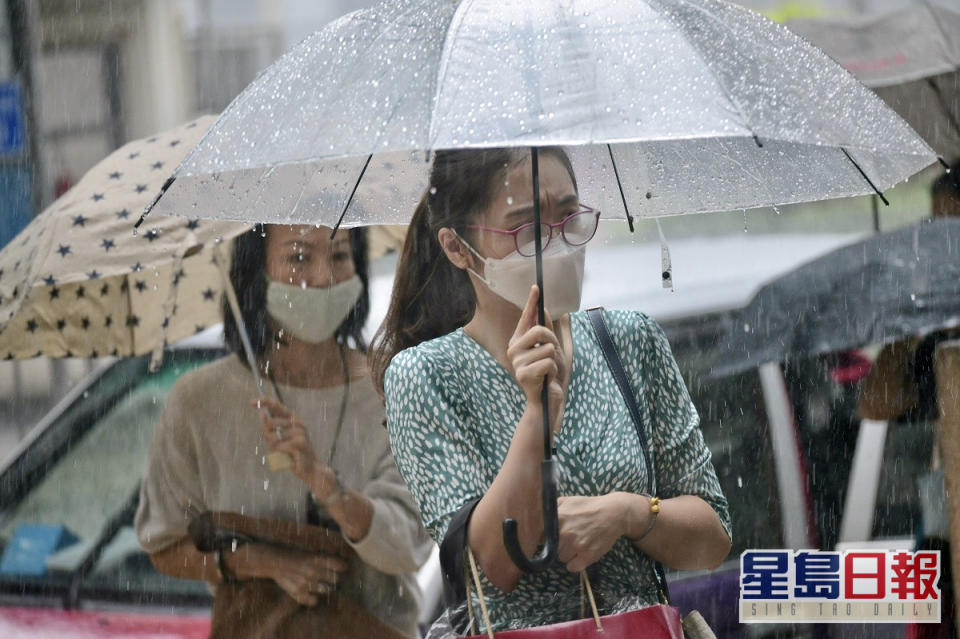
(312, 314)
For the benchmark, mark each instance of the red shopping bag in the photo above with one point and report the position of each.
(659, 621)
(655, 622)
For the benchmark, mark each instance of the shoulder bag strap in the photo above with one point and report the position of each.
(615, 365)
(452, 554)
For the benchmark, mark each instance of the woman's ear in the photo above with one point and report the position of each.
(454, 249)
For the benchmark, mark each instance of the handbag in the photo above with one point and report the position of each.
(259, 608)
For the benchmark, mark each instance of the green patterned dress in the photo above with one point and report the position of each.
(451, 413)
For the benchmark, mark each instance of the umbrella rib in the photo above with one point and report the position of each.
(727, 93)
(356, 185)
(865, 176)
(163, 189)
(456, 22)
(623, 197)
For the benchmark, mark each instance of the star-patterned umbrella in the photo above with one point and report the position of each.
(77, 281)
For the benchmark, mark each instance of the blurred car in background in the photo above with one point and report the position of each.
(783, 439)
(80, 468)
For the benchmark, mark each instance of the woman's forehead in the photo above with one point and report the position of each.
(304, 235)
(516, 191)
(552, 171)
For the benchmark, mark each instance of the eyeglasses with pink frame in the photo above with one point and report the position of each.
(576, 229)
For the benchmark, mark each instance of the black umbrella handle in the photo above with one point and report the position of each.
(541, 313)
(548, 484)
(548, 552)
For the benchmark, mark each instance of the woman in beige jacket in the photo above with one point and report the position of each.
(304, 300)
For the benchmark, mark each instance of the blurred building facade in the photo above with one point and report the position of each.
(107, 71)
(100, 73)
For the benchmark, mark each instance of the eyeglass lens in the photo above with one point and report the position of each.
(526, 239)
(577, 229)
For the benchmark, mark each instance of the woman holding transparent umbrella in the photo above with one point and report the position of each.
(303, 299)
(462, 359)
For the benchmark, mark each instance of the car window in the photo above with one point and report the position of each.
(91, 486)
(96, 478)
(734, 424)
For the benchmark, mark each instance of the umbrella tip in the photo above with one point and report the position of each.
(146, 211)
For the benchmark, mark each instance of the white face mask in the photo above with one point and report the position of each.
(512, 276)
(312, 314)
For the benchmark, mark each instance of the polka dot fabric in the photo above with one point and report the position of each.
(451, 413)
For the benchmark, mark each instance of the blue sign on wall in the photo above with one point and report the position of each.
(11, 119)
(16, 204)
(15, 177)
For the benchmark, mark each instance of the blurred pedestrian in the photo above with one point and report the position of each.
(902, 387)
(901, 383)
(945, 193)
(304, 301)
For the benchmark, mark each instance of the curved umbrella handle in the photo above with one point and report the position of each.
(548, 553)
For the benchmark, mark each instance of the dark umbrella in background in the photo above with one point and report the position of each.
(665, 106)
(893, 285)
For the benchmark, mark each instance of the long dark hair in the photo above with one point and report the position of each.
(249, 279)
(432, 297)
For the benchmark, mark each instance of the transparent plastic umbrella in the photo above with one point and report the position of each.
(907, 51)
(665, 106)
(702, 105)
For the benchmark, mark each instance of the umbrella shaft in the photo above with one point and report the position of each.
(238, 318)
(538, 231)
(541, 315)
